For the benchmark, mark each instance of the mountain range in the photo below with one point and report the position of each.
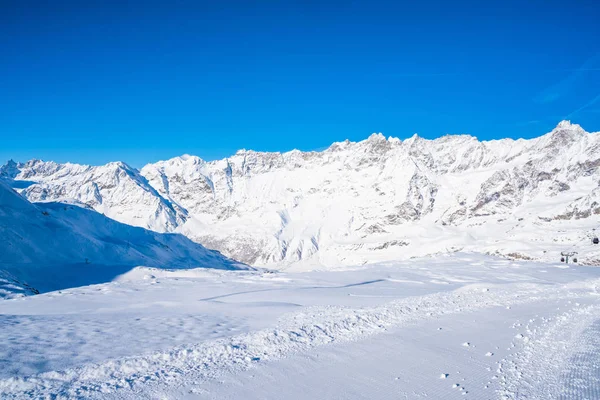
(355, 202)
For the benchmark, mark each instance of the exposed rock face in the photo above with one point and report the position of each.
(284, 208)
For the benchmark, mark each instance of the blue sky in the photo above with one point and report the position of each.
(93, 82)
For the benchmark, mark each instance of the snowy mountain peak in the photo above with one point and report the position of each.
(9, 170)
(178, 162)
(413, 140)
(564, 136)
(339, 146)
(565, 124)
(119, 165)
(376, 137)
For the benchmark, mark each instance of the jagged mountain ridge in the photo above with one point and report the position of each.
(352, 203)
(114, 189)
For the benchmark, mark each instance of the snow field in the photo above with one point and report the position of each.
(286, 316)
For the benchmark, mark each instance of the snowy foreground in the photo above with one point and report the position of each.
(455, 326)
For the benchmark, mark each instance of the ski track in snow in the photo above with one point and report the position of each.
(141, 376)
(559, 358)
(581, 380)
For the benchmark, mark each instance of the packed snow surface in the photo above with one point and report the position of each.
(444, 327)
(374, 200)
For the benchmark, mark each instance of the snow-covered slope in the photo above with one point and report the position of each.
(53, 246)
(374, 200)
(460, 326)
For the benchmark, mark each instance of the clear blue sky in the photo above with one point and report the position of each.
(141, 81)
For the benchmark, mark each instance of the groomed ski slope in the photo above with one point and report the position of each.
(454, 326)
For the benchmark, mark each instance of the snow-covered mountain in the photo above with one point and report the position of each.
(114, 189)
(53, 246)
(381, 198)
